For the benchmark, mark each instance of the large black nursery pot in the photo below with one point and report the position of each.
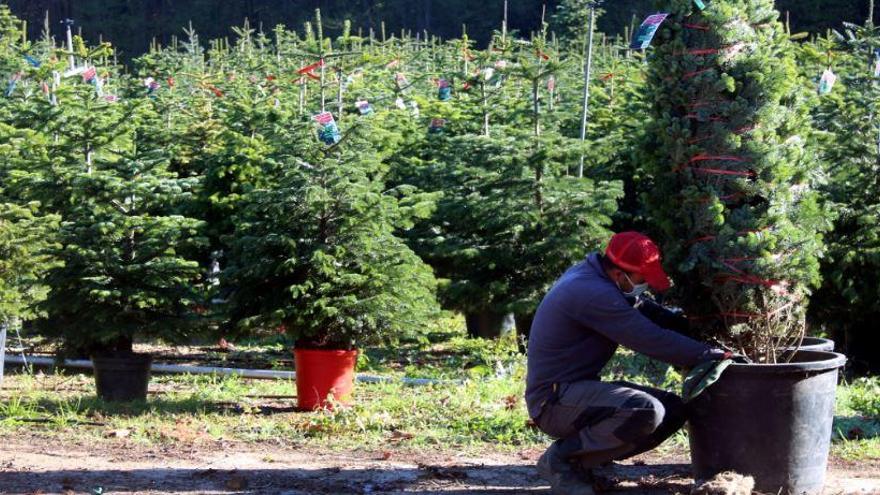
(817, 344)
(122, 378)
(489, 324)
(769, 421)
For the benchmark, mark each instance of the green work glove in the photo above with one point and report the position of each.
(702, 377)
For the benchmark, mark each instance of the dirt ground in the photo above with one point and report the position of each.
(40, 466)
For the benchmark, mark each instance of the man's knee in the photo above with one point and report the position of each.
(643, 414)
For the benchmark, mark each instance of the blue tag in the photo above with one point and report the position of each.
(700, 5)
(13, 82)
(31, 60)
(647, 30)
(330, 133)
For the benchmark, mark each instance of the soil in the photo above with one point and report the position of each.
(40, 465)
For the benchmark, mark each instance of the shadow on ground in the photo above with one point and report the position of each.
(91, 405)
(446, 480)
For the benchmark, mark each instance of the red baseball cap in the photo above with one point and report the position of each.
(637, 253)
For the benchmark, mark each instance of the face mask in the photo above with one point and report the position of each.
(637, 289)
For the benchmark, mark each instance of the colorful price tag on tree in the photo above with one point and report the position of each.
(826, 83)
(329, 132)
(89, 74)
(437, 126)
(13, 82)
(445, 91)
(151, 84)
(364, 107)
(647, 30)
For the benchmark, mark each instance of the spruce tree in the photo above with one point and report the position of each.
(732, 174)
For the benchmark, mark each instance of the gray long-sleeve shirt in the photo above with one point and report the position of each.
(579, 325)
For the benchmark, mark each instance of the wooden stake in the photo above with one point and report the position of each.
(588, 66)
(504, 25)
(339, 76)
(71, 60)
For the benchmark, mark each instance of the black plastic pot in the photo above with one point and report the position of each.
(817, 344)
(122, 378)
(488, 324)
(772, 422)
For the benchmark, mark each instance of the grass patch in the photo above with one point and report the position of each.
(856, 432)
(486, 411)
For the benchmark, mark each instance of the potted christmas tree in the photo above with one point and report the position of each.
(316, 255)
(732, 195)
(121, 275)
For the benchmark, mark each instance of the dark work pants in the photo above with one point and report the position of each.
(597, 422)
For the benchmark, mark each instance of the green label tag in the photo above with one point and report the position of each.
(700, 4)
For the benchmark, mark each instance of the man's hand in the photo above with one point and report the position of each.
(664, 317)
(724, 355)
(704, 376)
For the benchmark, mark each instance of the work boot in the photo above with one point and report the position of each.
(564, 477)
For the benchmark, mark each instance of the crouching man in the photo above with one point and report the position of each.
(591, 310)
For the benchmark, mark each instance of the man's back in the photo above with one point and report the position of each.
(561, 349)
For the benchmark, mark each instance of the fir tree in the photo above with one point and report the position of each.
(849, 120)
(316, 253)
(24, 237)
(512, 216)
(733, 174)
(119, 240)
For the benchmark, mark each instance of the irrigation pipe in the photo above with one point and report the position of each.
(212, 370)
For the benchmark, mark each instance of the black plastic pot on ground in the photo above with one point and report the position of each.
(772, 422)
(122, 378)
(488, 324)
(523, 330)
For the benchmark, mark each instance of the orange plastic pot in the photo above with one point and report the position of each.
(321, 374)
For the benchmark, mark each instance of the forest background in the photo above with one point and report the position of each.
(133, 24)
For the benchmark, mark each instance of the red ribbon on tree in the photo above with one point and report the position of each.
(311, 68)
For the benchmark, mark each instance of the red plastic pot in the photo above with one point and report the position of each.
(321, 374)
